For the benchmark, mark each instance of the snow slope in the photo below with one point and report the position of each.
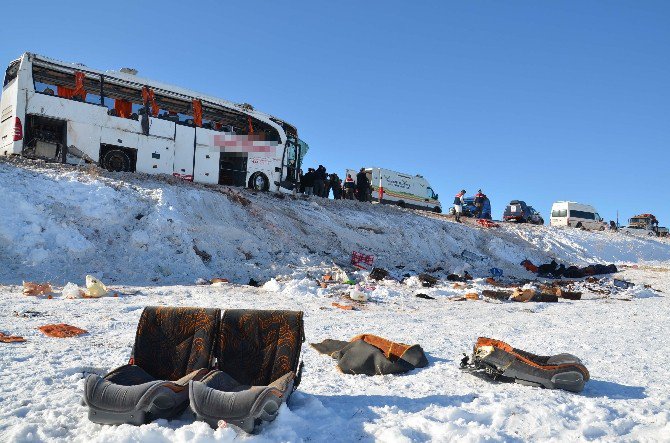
(59, 224)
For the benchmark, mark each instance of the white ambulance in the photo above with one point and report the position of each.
(577, 215)
(404, 190)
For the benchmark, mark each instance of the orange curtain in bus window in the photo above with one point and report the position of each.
(123, 108)
(79, 90)
(65, 92)
(251, 126)
(197, 112)
(148, 97)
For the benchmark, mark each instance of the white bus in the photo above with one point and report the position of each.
(73, 114)
(565, 213)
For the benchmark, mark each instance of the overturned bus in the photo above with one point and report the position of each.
(73, 114)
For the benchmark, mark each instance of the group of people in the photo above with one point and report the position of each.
(459, 202)
(320, 183)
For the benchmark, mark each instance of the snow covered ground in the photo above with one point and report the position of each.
(138, 235)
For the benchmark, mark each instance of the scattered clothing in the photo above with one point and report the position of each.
(554, 270)
(11, 338)
(31, 288)
(62, 330)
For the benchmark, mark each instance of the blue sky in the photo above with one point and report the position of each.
(539, 101)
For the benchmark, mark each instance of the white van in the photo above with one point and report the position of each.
(576, 215)
(404, 190)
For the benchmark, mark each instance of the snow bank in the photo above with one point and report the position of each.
(60, 224)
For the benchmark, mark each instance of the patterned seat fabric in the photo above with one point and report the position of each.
(561, 371)
(258, 353)
(172, 347)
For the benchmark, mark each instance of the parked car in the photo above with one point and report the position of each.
(518, 211)
(564, 213)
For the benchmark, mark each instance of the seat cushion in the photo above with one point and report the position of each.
(220, 397)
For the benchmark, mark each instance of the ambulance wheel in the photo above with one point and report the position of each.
(116, 160)
(579, 225)
(259, 182)
(401, 204)
(437, 210)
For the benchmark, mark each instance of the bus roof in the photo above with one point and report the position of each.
(141, 81)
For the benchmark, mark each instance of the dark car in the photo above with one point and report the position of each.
(518, 211)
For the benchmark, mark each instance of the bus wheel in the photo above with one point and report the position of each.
(116, 160)
(401, 204)
(437, 210)
(259, 182)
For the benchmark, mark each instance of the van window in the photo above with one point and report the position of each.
(582, 214)
(559, 213)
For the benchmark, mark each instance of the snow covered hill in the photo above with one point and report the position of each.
(150, 238)
(60, 223)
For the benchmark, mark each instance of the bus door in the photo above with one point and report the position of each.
(184, 151)
(233, 168)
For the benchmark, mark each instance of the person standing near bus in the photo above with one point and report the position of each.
(336, 186)
(308, 180)
(319, 181)
(458, 205)
(479, 203)
(349, 186)
(362, 185)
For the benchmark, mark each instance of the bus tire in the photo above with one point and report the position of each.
(259, 182)
(437, 210)
(579, 225)
(401, 204)
(116, 160)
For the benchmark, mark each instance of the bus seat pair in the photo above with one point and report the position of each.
(256, 353)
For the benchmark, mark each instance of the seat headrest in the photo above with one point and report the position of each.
(257, 347)
(172, 342)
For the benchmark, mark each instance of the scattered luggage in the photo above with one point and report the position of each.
(554, 270)
(501, 361)
(373, 355)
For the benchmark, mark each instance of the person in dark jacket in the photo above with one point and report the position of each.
(479, 203)
(336, 186)
(362, 185)
(308, 180)
(320, 181)
(349, 187)
(301, 177)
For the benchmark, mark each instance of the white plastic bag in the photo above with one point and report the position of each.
(94, 287)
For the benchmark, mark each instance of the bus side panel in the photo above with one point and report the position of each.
(12, 105)
(155, 155)
(183, 152)
(206, 165)
(85, 137)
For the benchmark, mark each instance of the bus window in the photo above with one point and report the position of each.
(11, 72)
(122, 101)
(71, 85)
